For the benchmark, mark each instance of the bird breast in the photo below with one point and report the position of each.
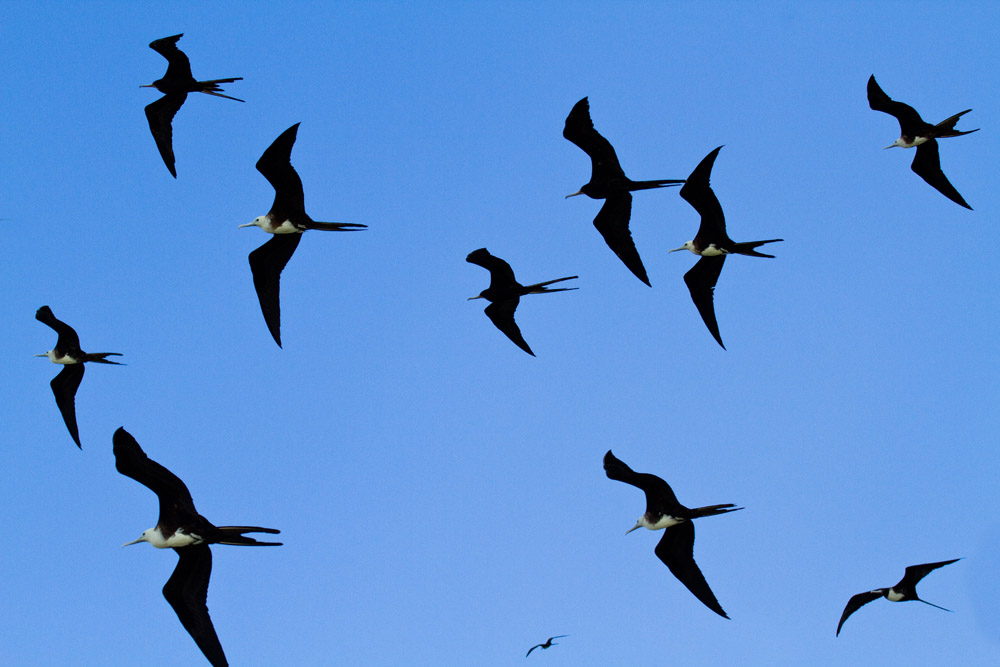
(664, 521)
(57, 358)
(893, 596)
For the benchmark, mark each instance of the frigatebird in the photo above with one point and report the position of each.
(68, 353)
(286, 220)
(609, 182)
(175, 86)
(504, 293)
(904, 591)
(676, 547)
(181, 528)
(915, 132)
(712, 243)
(548, 644)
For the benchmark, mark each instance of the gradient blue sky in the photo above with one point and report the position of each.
(440, 493)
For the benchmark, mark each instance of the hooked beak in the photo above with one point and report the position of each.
(637, 525)
(676, 249)
(579, 192)
(43, 354)
(469, 299)
(147, 85)
(249, 224)
(132, 542)
(889, 146)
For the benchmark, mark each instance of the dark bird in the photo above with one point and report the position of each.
(608, 182)
(287, 220)
(504, 293)
(548, 644)
(175, 86)
(68, 353)
(712, 243)
(676, 547)
(915, 132)
(904, 591)
(181, 528)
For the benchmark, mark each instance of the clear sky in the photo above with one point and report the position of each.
(440, 493)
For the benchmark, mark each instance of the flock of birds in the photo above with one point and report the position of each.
(183, 529)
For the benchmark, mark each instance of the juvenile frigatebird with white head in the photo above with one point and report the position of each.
(904, 591)
(175, 86)
(181, 528)
(286, 220)
(914, 132)
(663, 511)
(67, 352)
(609, 182)
(712, 243)
(548, 644)
(504, 294)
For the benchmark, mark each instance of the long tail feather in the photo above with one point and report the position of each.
(946, 128)
(234, 536)
(933, 605)
(336, 226)
(647, 185)
(747, 248)
(713, 510)
(99, 358)
(538, 288)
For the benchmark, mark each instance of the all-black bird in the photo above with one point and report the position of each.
(712, 243)
(504, 293)
(548, 644)
(175, 86)
(286, 220)
(915, 132)
(904, 591)
(68, 353)
(609, 182)
(181, 528)
(676, 547)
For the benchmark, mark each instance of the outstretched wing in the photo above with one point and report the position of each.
(64, 388)
(612, 222)
(187, 593)
(915, 573)
(701, 280)
(160, 115)
(907, 116)
(178, 67)
(857, 602)
(676, 550)
(501, 275)
(131, 461)
(68, 341)
(659, 496)
(697, 191)
(927, 165)
(501, 314)
(266, 263)
(580, 130)
(276, 166)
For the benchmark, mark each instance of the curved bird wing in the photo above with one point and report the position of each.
(698, 192)
(915, 573)
(660, 497)
(266, 264)
(612, 222)
(276, 166)
(501, 313)
(67, 341)
(927, 165)
(579, 129)
(178, 67)
(64, 386)
(701, 280)
(501, 275)
(176, 505)
(909, 120)
(857, 602)
(187, 593)
(160, 115)
(676, 550)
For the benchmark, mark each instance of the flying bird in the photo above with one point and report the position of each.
(712, 243)
(915, 132)
(175, 86)
(548, 644)
(504, 293)
(286, 220)
(608, 182)
(68, 353)
(904, 591)
(181, 528)
(676, 547)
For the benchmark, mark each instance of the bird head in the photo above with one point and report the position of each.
(687, 246)
(585, 190)
(45, 354)
(897, 142)
(256, 222)
(638, 524)
(142, 538)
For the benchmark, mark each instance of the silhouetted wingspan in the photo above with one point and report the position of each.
(187, 593)
(276, 166)
(176, 505)
(160, 115)
(676, 550)
(698, 192)
(701, 280)
(857, 602)
(909, 119)
(580, 130)
(501, 314)
(612, 222)
(501, 275)
(660, 497)
(64, 386)
(266, 264)
(915, 573)
(179, 67)
(67, 340)
(927, 165)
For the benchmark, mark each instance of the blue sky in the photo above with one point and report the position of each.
(440, 493)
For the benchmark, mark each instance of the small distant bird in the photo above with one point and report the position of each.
(181, 528)
(915, 132)
(504, 293)
(287, 220)
(548, 644)
(68, 353)
(712, 243)
(175, 86)
(676, 547)
(904, 591)
(609, 182)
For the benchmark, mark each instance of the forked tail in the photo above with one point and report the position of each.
(712, 510)
(946, 128)
(539, 288)
(234, 535)
(212, 87)
(747, 248)
(336, 226)
(99, 357)
(646, 185)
